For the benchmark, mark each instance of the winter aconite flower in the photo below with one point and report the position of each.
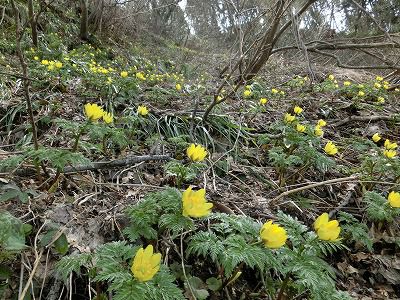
(44, 62)
(297, 110)
(124, 74)
(289, 118)
(195, 204)
(379, 78)
(300, 128)
(394, 199)
(178, 87)
(390, 153)
(389, 145)
(196, 152)
(331, 77)
(108, 117)
(247, 93)
(273, 235)
(263, 101)
(376, 137)
(274, 91)
(347, 83)
(330, 148)
(380, 100)
(318, 131)
(58, 64)
(361, 94)
(327, 230)
(321, 123)
(93, 112)
(140, 76)
(146, 264)
(142, 110)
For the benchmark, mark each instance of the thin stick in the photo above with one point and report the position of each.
(313, 185)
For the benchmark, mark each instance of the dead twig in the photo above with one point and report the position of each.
(364, 119)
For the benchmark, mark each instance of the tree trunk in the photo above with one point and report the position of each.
(84, 33)
(32, 20)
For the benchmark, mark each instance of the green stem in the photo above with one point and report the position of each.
(283, 286)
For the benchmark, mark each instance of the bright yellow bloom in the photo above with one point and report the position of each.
(300, 128)
(379, 78)
(178, 87)
(219, 98)
(380, 100)
(263, 101)
(297, 110)
(50, 68)
(195, 204)
(140, 76)
(390, 153)
(376, 137)
(247, 93)
(386, 86)
(360, 86)
(124, 74)
(327, 230)
(282, 93)
(321, 123)
(108, 117)
(347, 83)
(146, 264)
(274, 91)
(93, 112)
(45, 62)
(318, 131)
(330, 148)
(142, 110)
(361, 94)
(58, 64)
(377, 85)
(109, 80)
(289, 118)
(196, 153)
(390, 146)
(273, 235)
(36, 58)
(394, 199)
(331, 77)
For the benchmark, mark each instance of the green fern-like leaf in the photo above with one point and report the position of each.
(357, 231)
(294, 228)
(176, 223)
(73, 263)
(378, 208)
(206, 244)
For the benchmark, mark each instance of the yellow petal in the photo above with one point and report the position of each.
(322, 219)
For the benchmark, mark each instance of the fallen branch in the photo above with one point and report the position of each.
(130, 160)
(313, 185)
(364, 119)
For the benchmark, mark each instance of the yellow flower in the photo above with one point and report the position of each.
(263, 101)
(58, 64)
(124, 74)
(390, 146)
(376, 137)
(109, 80)
(327, 230)
(347, 83)
(50, 68)
(394, 199)
(274, 91)
(36, 58)
(330, 148)
(142, 110)
(194, 203)
(146, 264)
(300, 128)
(377, 85)
(273, 235)
(93, 112)
(178, 87)
(318, 131)
(297, 110)
(386, 86)
(282, 93)
(140, 76)
(219, 98)
(196, 153)
(45, 62)
(289, 118)
(108, 117)
(331, 77)
(360, 86)
(361, 94)
(381, 100)
(390, 153)
(247, 93)
(321, 123)
(379, 78)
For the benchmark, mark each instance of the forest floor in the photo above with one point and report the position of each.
(258, 163)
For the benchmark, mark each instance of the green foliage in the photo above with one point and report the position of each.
(73, 263)
(11, 191)
(355, 230)
(280, 160)
(162, 209)
(12, 235)
(378, 208)
(183, 173)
